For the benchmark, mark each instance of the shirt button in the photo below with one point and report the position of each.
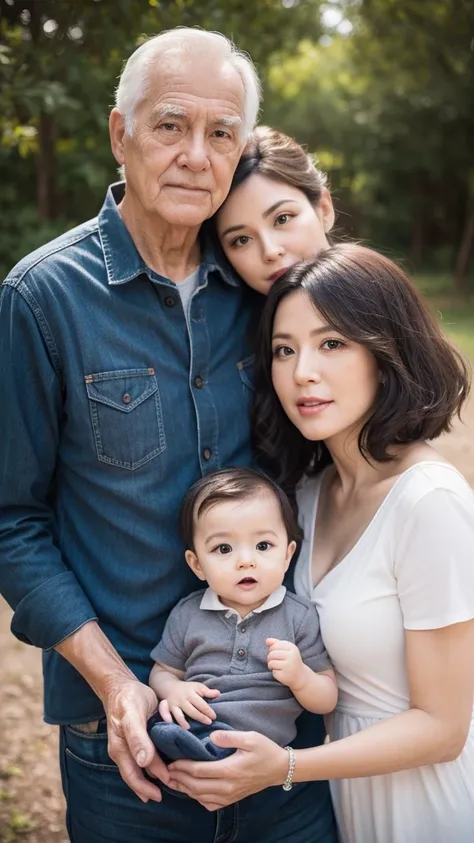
(126, 398)
(243, 629)
(241, 653)
(170, 301)
(198, 381)
(207, 453)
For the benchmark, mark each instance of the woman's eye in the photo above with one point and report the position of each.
(263, 546)
(282, 351)
(282, 219)
(241, 241)
(332, 345)
(224, 548)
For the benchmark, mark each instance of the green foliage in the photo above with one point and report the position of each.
(387, 106)
(59, 63)
(389, 110)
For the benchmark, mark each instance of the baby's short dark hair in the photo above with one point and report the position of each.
(232, 484)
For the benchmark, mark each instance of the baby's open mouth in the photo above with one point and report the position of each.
(247, 582)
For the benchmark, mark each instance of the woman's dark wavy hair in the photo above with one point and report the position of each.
(368, 299)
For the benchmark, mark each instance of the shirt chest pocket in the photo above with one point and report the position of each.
(126, 415)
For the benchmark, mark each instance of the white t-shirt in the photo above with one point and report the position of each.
(412, 569)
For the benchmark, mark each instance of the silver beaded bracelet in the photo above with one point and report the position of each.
(291, 768)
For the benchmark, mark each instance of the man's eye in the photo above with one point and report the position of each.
(241, 241)
(282, 351)
(224, 548)
(332, 345)
(169, 127)
(220, 133)
(264, 546)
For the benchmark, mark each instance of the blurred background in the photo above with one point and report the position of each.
(380, 91)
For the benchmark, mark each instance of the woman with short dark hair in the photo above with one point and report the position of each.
(354, 376)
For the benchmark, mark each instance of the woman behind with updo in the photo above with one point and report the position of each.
(279, 210)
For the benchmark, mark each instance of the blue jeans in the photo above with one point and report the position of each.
(103, 809)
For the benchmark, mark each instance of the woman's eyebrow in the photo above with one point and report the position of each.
(322, 330)
(264, 215)
(232, 228)
(275, 206)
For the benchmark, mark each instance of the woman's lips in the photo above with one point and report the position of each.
(312, 407)
(276, 275)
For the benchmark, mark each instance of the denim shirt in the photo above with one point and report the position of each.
(112, 407)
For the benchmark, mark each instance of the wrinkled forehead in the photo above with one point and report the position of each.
(195, 83)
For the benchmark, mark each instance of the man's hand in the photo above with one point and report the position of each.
(285, 662)
(127, 702)
(128, 706)
(187, 698)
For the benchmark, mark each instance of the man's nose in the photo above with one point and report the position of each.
(195, 155)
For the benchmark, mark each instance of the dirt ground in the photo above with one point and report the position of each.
(31, 802)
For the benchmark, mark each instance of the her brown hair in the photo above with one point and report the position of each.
(368, 299)
(275, 155)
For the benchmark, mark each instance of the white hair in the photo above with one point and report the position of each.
(133, 82)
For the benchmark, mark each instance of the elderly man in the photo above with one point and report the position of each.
(123, 349)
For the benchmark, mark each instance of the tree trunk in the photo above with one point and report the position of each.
(417, 240)
(461, 278)
(46, 169)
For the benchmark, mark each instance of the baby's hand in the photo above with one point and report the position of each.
(285, 662)
(187, 698)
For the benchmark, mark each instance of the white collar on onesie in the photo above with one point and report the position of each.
(210, 601)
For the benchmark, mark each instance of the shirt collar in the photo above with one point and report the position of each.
(123, 261)
(210, 601)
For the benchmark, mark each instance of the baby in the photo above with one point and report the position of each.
(245, 643)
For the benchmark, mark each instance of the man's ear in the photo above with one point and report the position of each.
(193, 563)
(289, 554)
(117, 135)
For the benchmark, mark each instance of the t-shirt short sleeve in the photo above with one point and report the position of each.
(310, 643)
(170, 650)
(434, 561)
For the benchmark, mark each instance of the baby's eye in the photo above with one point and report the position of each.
(282, 351)
(264, 546)
(241, 241)
(224, 548)
(332, 345)
(282, 219)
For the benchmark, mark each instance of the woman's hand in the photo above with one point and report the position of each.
(257, 764)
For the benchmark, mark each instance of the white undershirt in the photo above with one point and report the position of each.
(186, 288)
